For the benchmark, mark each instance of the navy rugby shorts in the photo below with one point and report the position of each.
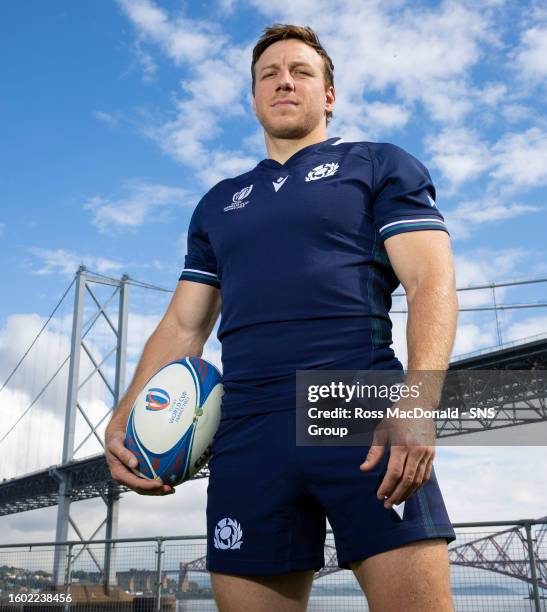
(268, 501)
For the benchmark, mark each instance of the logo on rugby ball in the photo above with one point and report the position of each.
(157, 399)
(228, 534)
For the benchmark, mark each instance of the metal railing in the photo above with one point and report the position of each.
(498, 566)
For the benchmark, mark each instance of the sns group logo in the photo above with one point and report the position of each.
(228, 534)
(157, 399)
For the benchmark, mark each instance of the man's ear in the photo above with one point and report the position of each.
(331, 98)
(254, 103)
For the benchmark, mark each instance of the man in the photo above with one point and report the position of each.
(305, 250)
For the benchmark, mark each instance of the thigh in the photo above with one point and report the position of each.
(419, 578)
(284, 593)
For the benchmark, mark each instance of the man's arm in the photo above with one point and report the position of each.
(183, 330)
(423, 263)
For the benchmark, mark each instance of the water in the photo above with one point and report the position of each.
(357, 603)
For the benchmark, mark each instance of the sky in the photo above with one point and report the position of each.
(116, 117)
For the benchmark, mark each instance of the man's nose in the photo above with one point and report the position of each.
(285, 80)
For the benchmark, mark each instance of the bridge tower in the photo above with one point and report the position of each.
(84, 288)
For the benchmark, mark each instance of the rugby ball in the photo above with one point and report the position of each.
(174, 419)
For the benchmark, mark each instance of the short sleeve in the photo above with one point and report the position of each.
(200, 264)
(404, 194)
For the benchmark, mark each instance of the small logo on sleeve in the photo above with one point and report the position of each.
(431, 201)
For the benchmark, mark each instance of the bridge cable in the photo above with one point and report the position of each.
(38, 335)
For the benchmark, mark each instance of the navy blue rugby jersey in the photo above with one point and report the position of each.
(297, 251)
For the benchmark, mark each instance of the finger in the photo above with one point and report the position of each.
(124, 476)
(373, 457)
(429, 469)
(395, 469)
(117, 448)
(419, 479)
(406, 481)
(141, 487)
(159, 493)
(411, 479)
(376, 451)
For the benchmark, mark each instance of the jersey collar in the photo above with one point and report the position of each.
(299, 155)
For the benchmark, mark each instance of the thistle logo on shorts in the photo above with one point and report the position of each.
(322, 171)
(228, 534)
(238, 197)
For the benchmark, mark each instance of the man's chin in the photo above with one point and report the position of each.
(287, 131)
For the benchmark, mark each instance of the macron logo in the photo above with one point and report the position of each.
(279, 183)
(399, 510)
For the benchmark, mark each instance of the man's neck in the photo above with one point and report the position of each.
(281, 149)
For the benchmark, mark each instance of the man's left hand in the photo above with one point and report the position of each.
(412, 452)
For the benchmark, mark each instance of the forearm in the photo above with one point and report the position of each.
(431, 330)
(431, 324)
(167, 343)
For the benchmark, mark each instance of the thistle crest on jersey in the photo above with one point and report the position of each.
(322, 171)
(228, 534)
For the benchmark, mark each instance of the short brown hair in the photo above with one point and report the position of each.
(283, 31)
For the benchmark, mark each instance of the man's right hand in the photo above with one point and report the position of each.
(120, 459)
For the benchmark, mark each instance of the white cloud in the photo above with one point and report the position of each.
(144, 203)
(181, 39)
(531, 54)
(226, 6)
(531, 326)
(386, 116)
(459, 153)
(467, 217)
(521, 159)
(146, 62)
(502, 486)
(423, 55)
(215, 91)
(482, 266)
(472, 336)
(517, 161)
(66, 263)
(514, 113)
(105, 117)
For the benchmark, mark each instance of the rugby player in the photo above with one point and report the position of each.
(300, 256)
